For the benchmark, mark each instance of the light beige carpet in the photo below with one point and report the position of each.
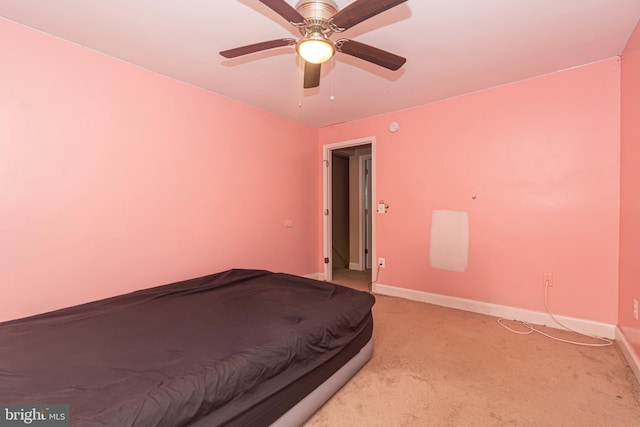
(434, 366)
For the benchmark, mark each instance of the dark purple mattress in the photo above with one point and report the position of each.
(239, 348)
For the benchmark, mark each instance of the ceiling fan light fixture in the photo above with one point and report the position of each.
(315, 49)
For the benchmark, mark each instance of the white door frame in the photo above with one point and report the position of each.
(327, 197)
(362, 217)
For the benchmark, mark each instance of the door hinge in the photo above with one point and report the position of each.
(326, 260)
(326, 212)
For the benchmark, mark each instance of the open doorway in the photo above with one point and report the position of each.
(349, 186)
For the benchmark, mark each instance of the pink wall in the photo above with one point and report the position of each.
(629, 192)
(542, 158)
(114, 179)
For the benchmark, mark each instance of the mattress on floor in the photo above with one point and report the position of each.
(239, 347)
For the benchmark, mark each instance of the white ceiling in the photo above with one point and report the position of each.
(452, 47)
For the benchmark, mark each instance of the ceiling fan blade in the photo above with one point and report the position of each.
(257, 47)
(361, 10)
(311, 75)
(369, 53)
(285, 10)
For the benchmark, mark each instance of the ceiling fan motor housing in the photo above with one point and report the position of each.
(316, 15)
(324, 9)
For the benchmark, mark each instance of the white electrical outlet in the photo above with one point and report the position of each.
(547, 280)
(381, 263)
(635, 309)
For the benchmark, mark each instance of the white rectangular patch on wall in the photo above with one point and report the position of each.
(449, 248)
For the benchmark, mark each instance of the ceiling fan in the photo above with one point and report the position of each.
(317, 20)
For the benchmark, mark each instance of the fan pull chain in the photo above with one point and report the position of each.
(301, 84)
(332, 72)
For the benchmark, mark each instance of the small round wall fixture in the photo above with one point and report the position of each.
(394, 126)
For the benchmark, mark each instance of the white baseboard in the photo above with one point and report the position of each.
(355, 266)
(315, 276)
(629, 353)
(534, 317)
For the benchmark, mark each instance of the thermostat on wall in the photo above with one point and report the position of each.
(394, 126)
